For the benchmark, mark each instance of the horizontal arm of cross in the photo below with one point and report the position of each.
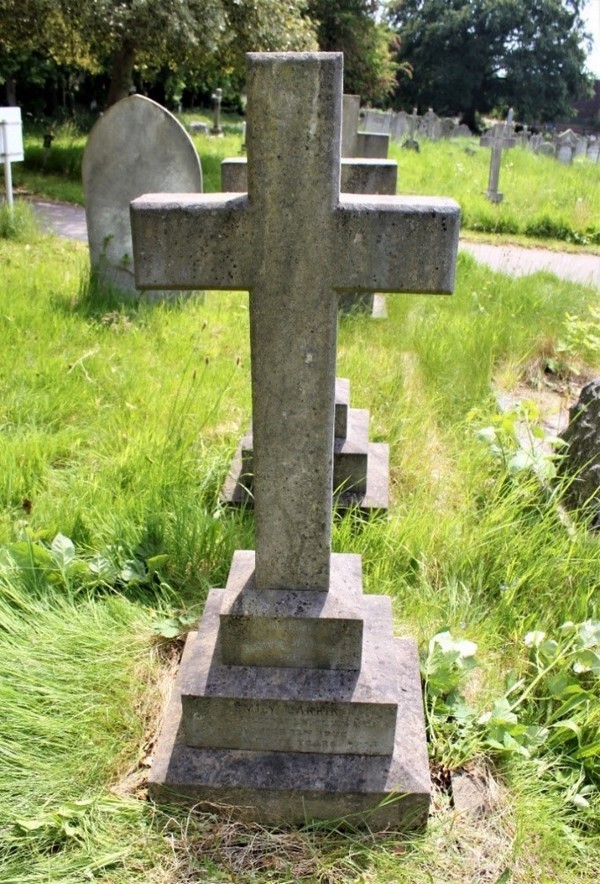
(396, 244)
(494, 140)
(191, 241)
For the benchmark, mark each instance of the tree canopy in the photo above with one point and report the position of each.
(351, 27)
(172, 36)
(471, 56)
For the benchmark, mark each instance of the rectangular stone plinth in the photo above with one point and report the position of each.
(350, 454)
(342, 404)
(237, 489)
(373, 145)
(357, 175)
(277, 788)
(363, 175)
(292, 709)
(287, 628)
(375, 498)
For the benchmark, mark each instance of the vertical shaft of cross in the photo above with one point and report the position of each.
(501, 138)
(293, 312)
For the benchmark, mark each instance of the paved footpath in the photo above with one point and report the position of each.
(68, 220)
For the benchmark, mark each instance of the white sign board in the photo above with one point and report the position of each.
(11, 134)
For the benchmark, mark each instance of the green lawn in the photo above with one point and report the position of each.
(117, 424)
(543, 199)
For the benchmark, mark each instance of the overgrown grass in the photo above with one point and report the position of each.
(17, 222)
(117, 425)
(543, 199)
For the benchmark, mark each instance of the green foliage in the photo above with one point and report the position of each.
(548, 712)
(58, 564)
(581, 337)
(472, 56)
(538, 199)
(177, 38)
(513, 439)
(351, 27)
(117, 425)
(18, 222)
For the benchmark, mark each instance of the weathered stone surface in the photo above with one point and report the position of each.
(350, 454)
(581, 459)
(292, 787)
(279, 628)
(374, 145)
(135, 147)
(358, 175)
(294, 242)
(375, 499)
(342, 407)
(361, 175)
(293, 709)
(350, 117)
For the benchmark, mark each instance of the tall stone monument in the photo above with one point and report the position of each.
(500, 138)
(294, 700)
(135, 147)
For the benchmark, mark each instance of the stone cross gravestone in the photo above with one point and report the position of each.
(371, 145)
(136, 146)
(217, 97)
(358, 175)
(430, 125)
(294, 699)
(360, 467)
(501, 138)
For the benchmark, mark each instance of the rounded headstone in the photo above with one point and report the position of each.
(136, 147)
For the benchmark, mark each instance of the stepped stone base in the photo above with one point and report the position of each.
(237, 490)
(285, 745)
(360, 468)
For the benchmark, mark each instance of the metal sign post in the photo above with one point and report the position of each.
(11, 145)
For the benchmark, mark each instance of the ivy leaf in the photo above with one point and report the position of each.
(133, 572)
(587, 661)
(63, 551)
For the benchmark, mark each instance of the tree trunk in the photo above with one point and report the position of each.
(121, 77)
(469, 118)
(11, 92)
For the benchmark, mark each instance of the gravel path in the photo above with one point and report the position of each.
(518, 261)
(69, 220)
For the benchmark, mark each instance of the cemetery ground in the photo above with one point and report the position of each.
(544, 201)
(118, 424)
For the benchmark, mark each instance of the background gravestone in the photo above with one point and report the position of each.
(581, 459)
(135, 147)
(566, 144)
(500, 138)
